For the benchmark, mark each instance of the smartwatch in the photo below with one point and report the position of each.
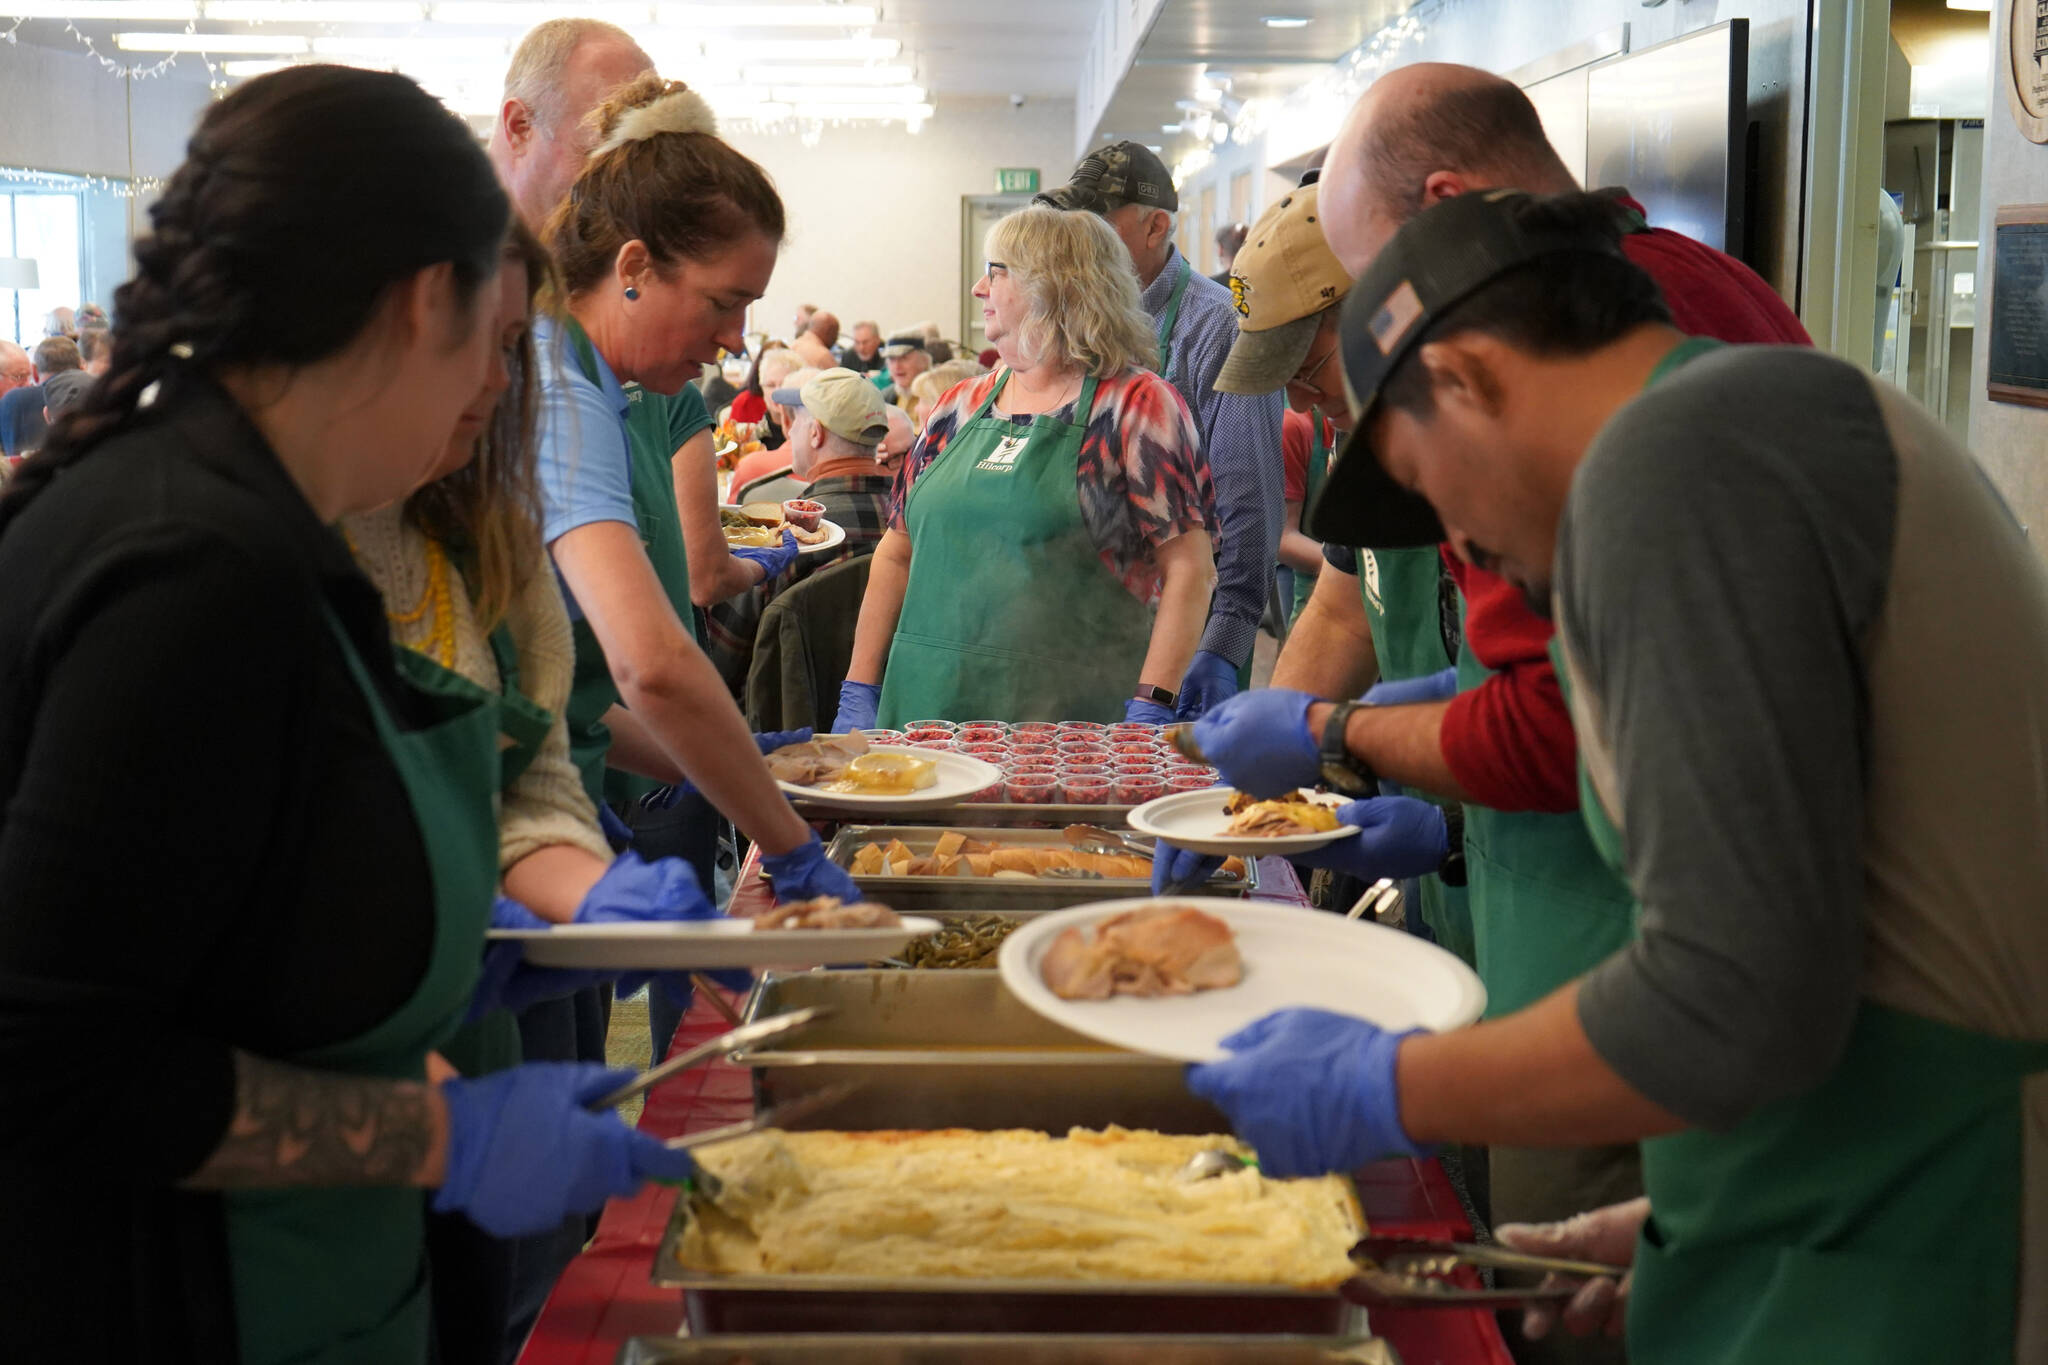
(1153, 693)
(1341, 771)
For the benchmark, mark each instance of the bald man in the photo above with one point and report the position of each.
(563, 69)
(1545, 909)
(16, 370)
(815, 345)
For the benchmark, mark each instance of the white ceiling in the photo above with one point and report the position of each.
(982, 48)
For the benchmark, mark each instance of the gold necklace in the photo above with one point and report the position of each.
(435, 596)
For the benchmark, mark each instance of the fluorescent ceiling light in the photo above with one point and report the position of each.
(830, 75)
(1170, 129)
(804, 49)
(315, 11)
(1299, 21)
(455, 51)
(852, 94)
(1980, 6)
(767, 16)
(754, 113)
(849, 112)
(527, 15)
(281, 43)
(101, 9)
(256, 66)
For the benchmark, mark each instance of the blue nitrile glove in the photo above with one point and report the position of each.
(1438, 686)
(1141, 712)
(1177, 871)
(773, 559)
(1210, 681)
(635, 890)
(507, 981)
(1312, 1092)
(1398, 837)
(1260, 742)
(523, 1152)
(858, 702)
(663, 798)
(616, 831)
(805, 871)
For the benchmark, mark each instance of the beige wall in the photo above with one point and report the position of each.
(2010, 439)
(874, 214)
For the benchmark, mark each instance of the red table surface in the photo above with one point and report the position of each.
(607, 1295)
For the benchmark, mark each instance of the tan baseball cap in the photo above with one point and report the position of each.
(844, 403)
(1282, 280)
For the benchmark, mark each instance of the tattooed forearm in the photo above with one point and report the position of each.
(293, 1126)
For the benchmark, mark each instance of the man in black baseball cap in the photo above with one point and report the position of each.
(1196, 323)
(1806, 648)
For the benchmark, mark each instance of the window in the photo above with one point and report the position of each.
(42, 220)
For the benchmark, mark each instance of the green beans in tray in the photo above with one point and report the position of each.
(969, 943)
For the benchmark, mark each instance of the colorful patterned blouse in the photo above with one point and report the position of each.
(1140, 474)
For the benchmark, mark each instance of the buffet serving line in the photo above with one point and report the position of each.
(938, 1036)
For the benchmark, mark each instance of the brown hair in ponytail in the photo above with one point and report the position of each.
(661, 175)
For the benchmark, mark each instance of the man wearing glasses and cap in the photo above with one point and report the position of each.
(1132, 191)
(1806, 649)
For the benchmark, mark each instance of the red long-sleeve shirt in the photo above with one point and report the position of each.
(1509, 741)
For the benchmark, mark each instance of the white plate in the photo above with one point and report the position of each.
(958, 777)
(1195, 821)
(698, 945)
(1293, 958)
(835, 534)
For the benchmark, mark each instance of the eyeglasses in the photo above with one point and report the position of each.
(992, 267)
(1307, 378)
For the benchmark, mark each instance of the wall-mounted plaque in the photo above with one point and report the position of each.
(2021, 43)
(2017, 371)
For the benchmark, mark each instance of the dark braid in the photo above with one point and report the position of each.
(303, 196)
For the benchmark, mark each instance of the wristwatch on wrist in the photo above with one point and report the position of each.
(1153, 693)
(1340, 770)
(1452, 870)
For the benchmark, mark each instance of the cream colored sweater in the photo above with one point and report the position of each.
(546, 804)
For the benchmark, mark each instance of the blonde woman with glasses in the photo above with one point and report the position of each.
(1048, 552)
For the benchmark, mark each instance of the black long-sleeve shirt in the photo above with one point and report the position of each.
(203, 847)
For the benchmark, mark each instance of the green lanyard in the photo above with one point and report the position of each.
(1180, 289)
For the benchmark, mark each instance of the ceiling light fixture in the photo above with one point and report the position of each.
(1285, 21)
(851, 94)
(803, 49)
(256, 66)
(315, 11)
(139, 12)
(767, 16)
(1979, 6)
(829, 75)
(282, 44)
(446, 49)
(521, 15)
(850, 112)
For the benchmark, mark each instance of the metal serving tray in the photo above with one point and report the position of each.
(1008, 1350)
(995, 814)
(954, 1049)
(778, 1304)
(996, 893)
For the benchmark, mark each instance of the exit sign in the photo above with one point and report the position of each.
(1017, 180)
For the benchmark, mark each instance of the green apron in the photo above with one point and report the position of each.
(337, 1276)
(1402, 606)
(1318, 465)
(1874, 1219)
(492, 1042)
(1009, 612)
(592, 692)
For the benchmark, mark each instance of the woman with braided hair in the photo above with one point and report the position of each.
(308, 846)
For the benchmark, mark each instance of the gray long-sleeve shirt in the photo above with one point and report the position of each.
(1241, 442)
(1809, 655)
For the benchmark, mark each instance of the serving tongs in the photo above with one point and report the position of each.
(710, 1186)
(1409, 1272)
(745, 1036)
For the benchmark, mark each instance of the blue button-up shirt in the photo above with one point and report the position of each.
(1241, 441)
(584, 469)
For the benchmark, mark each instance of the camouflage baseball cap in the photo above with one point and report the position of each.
(1110, 177)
